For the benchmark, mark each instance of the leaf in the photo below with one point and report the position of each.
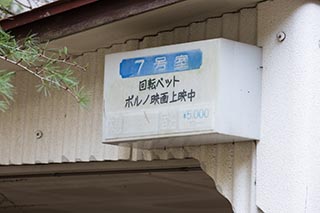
(3, 106)
(43, 88)
(53, 67)
(83, 97)
(6, 89)
(65, 50)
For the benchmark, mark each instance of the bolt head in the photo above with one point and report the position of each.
(39, 134)
(281, 36)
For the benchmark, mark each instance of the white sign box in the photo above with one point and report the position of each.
(185, 94)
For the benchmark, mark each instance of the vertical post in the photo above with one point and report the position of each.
(288, 154)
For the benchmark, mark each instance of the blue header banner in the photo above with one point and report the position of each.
(161, 64)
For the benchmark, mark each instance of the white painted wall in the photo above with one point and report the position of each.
(288, 155)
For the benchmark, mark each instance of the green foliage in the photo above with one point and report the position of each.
(9, 8)
(55, 69)
(6, 89)
(6, 3)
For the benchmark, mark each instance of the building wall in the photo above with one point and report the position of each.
(288, 169)
(73, 134)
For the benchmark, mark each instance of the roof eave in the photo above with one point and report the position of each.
(67, 17)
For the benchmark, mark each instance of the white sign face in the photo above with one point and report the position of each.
(158, 92)
(166, 91)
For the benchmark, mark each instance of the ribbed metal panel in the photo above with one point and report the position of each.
(73, 134)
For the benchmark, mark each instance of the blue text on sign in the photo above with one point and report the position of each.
(160, 64)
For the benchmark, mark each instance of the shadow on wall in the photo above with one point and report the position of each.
(156, 191)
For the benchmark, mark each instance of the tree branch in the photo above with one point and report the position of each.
(40, 77)
(63, 61)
